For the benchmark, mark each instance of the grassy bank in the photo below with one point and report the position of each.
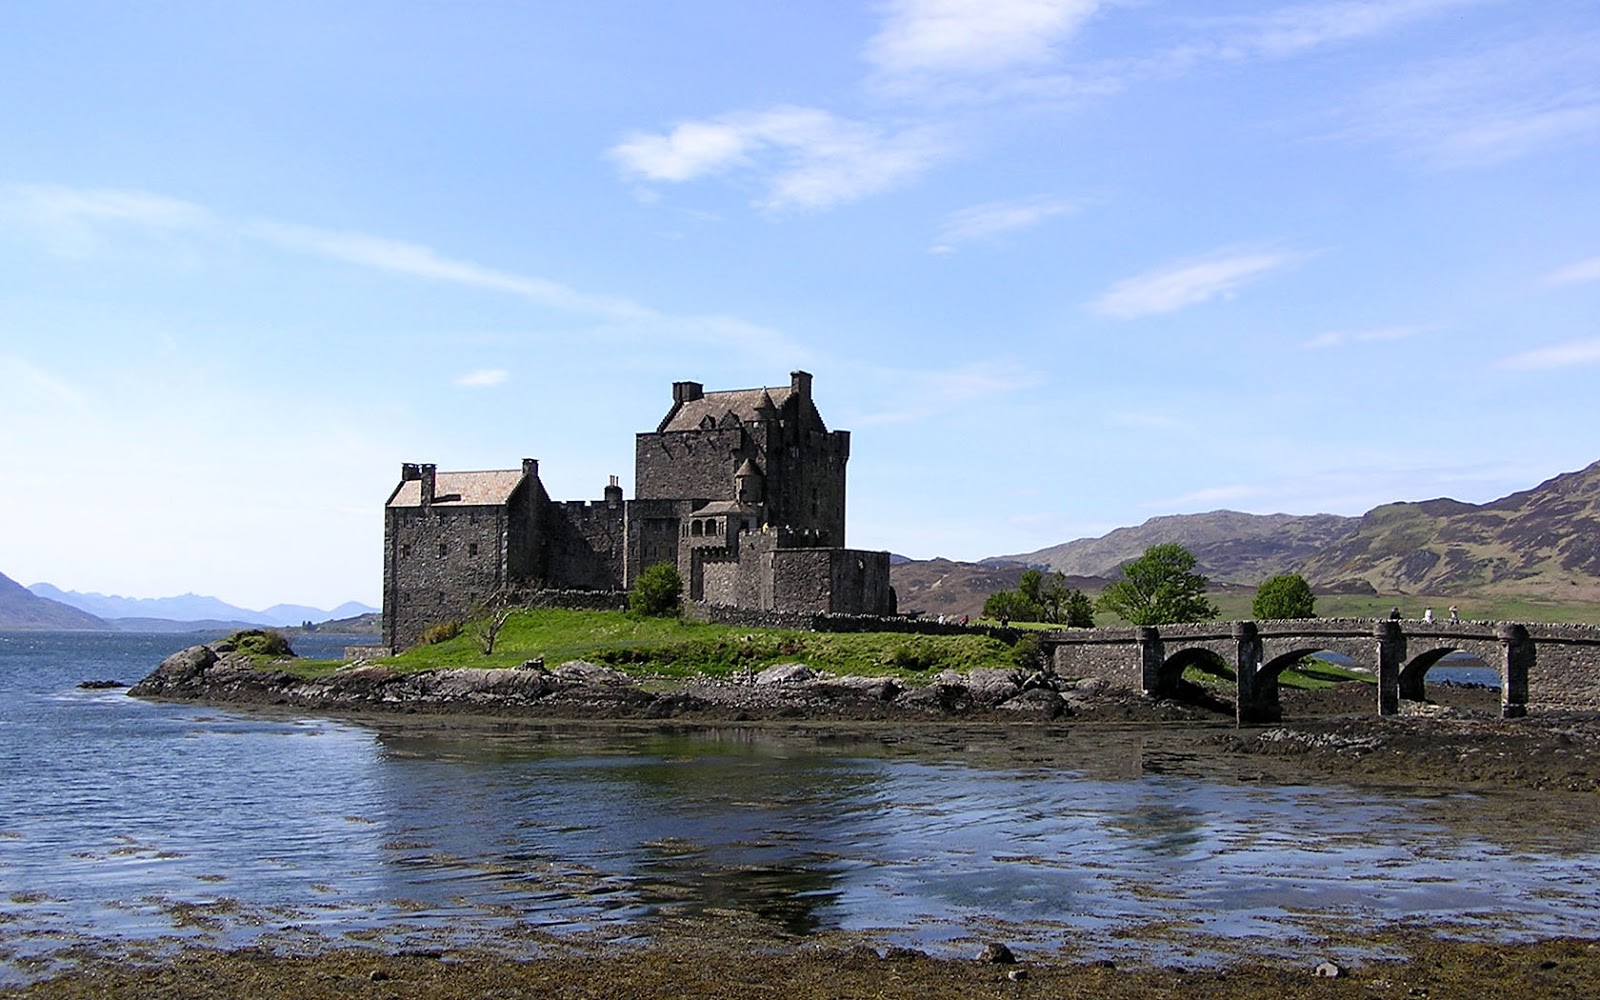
(671, 647)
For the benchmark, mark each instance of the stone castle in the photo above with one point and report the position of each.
(743, 491)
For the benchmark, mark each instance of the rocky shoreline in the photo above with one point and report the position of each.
(581, 690)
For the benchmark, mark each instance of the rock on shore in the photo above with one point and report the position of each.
(579, 689)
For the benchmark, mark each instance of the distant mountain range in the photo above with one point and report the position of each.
(46, 606)
(1541, 542)
(194, 608)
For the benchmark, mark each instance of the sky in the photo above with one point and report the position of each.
(1059, 266)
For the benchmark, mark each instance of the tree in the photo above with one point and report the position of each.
(1008, 606)
(1079, 609)
(489, 618)
(657, 591)
(1286, 595)
(1160, 588)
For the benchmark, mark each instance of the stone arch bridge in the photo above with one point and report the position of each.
(1553, 666)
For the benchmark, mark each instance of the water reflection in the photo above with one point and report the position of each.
(127, 820)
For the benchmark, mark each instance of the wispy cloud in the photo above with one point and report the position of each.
(1377, 335)
(1490, 107)
(15, 373)
(811, 159)
(989, 221)
(57, 212)
(1569, 355)
(1581, 273)
(931, 38)
(1205, 497)
(1292, 30)
(483, 378)
(419, 261)
(1189, 283)
(930, 393)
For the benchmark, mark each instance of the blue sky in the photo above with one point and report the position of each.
(1060, 265)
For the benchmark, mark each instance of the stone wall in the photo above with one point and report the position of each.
(439, 564)
(584, 544)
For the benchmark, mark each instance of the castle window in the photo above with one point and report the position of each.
(696, 529)
(405, 552)
(444, 550)
(472, 548)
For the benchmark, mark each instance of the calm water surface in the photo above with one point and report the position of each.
(126, 823)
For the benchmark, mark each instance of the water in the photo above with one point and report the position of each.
(134, 825)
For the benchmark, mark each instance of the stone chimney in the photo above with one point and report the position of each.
(530, 468)
(427, 474)
(800, 385)
(687, 392)
(614, 493)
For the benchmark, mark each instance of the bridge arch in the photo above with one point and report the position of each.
(1199, 657)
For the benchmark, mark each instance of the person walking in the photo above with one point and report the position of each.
(1427, 615)
(1455, 614)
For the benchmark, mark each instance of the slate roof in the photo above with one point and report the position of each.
(462, 489)
(743, 403)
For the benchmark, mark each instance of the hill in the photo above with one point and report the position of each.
(22, 609)
(1541, 542)
(1231, 547)
(942, 587)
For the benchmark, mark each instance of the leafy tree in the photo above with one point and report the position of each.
(1079, 609)
(657, 591)
(1160, 588)
(1009, 606)
(1286, 595)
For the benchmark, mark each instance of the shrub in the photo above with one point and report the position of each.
(261, 642)
(657, 591)
(907, 656)
(442, 632)
(1028, 652)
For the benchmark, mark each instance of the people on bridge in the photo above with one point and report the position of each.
(1427, 615)
(1394, 613)
(1455, 613)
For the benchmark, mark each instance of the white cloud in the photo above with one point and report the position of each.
(15, 373)
(1188, 284)
(987, 221)
(1299, 28)
(924, 394)
(71, 221)
(483, 378)
(938, 37)
(1568, 355)
(1378, 335)
(1581, 273)
(811, 159)
(419, 261)
(1490, 107)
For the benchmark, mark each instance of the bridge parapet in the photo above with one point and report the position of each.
(1559, 665)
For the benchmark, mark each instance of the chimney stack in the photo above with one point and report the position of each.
(800, 385)
(530, 468)
(427, 474)
(687, 392)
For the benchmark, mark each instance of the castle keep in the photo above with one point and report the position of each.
(742, 490)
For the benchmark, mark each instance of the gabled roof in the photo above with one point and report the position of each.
(746, 404)
(489, 488)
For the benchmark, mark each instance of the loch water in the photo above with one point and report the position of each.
(127, 825)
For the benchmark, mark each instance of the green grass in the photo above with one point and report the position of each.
(670, 647)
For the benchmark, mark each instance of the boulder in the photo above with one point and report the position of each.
(584, 672)
(1041, 702)
(990, 687)
(786, 673)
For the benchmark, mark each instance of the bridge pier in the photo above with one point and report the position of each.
(1152, 656)
(1258, 694)
(1520, 655)
(1391, 658)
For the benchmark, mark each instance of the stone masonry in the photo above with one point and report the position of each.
(743, 491)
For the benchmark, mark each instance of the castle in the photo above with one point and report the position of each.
(742, 490)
